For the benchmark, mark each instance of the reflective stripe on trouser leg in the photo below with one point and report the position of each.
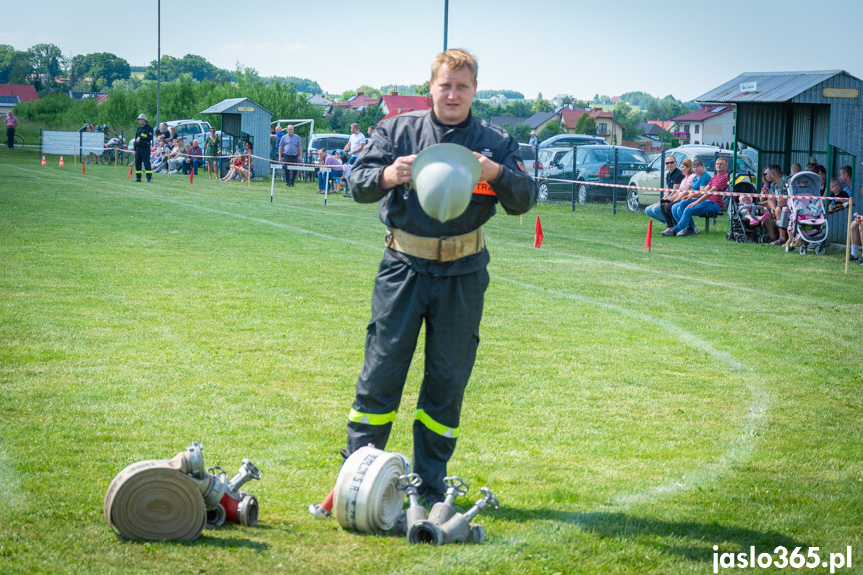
(397, 312)
(452, 338)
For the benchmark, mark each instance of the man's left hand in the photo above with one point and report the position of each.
(490, 169)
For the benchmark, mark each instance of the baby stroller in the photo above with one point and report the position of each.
(807, 225)
(740, 230)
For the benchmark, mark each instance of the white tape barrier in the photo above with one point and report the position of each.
(366, 497)
(152, 500)
(712, 193)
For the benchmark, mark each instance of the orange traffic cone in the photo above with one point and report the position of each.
(83, 167)
(43, 160)
(61, 161)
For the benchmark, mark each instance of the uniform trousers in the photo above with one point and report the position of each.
(142, 157)
(451, 307)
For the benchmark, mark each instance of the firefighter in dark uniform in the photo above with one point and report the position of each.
(143, 142)
(431, 271)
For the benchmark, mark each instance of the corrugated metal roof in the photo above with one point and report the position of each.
(769, 86)
(223, 105)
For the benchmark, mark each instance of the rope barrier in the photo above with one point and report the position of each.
(712, 193)
(366, 494)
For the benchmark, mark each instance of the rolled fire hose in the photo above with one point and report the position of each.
(366, 498)
(155, 501)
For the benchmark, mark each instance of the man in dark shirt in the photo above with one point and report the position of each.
(431, 271)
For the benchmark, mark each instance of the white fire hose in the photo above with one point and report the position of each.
(366, 496)
(152, 500)
(176, 498)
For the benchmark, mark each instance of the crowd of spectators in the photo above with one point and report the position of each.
(690, 196)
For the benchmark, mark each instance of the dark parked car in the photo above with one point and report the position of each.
(593, 164)
(571, 140)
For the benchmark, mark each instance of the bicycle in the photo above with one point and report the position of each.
(17, 142)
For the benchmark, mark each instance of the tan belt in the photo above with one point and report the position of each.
(445, 249)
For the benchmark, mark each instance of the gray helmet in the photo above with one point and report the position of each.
(142, 117)
(445, 176)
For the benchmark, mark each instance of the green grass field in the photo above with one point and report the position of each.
(630, 410)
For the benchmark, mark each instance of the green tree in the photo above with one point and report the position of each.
(15, 65)
(370, 116)
(628, 120)
(347, 95)
(552, 128)
(586, 125)
(540, 105)
(47, 59)
(102, 67)
(197, 66)
(521, 133)
(301, 84)
(422, 89)
(369, 91)
(517, 108)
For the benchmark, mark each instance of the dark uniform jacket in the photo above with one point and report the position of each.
(410, 133)
(145, 132)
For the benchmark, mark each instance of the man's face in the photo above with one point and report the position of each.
(721, 166)
(290, 130)
(322, 154)
(141, 121)
(355, 130)
(843, 177)
(670, 164)
(452, 92)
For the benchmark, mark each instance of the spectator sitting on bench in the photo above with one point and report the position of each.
(194, 159)
(661, 211)
(707, 204)
(837, 191)
(238, 163)
(335, 170)
(700, 180)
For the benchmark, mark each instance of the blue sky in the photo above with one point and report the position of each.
(552, 46)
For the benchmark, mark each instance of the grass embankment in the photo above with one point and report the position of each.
(630, 410)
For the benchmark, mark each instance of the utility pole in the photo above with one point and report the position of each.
(159, 64)
(445, 20)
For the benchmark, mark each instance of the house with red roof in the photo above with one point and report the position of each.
(606, 126)
(712, 125)
(393, 104)
(358, 102)
(12, 94)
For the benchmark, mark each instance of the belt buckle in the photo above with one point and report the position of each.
(448, 249)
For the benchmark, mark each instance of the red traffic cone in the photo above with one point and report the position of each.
(83, 167)
(649, 235)
(190, 176)
(537, 234)
(129, 175)
(43, 160)
(61, 161)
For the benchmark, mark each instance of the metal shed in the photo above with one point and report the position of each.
(245, 120)
(790, 116)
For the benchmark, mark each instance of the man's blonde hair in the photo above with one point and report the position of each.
(454, 59)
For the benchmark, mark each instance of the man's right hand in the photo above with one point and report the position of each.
(399, 172)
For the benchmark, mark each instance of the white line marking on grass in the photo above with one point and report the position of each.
(732, 287)
(755, 419)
